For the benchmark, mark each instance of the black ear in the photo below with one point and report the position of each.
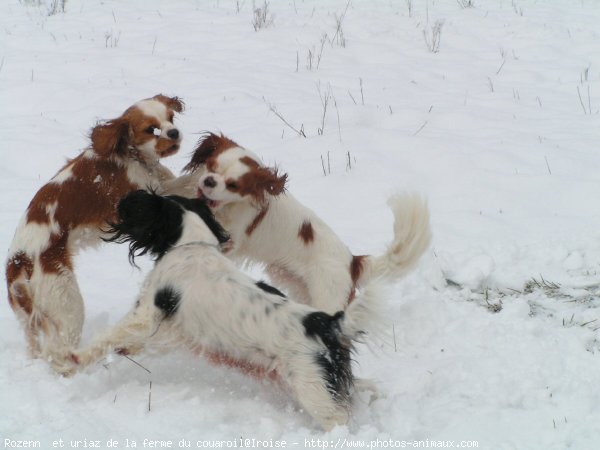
(200, 207)
(148, 222)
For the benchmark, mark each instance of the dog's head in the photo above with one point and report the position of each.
(145, 131)
(153, 224)
(233, 174)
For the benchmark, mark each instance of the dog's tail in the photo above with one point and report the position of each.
(412, 236)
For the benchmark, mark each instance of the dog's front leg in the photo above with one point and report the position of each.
(129, 336)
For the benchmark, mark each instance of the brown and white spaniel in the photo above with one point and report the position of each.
(69, 212)
(299, 250)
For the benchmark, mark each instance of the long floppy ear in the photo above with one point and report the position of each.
(174, 103)
(206, 147)
(111, 137)
(261, 181)
(148, 222)
(274, 184)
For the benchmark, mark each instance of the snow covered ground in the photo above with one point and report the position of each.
(494, 339)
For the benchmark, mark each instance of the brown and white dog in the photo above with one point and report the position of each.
(300, 252)
(69, 212)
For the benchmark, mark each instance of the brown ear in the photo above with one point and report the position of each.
(275, 184)
(174, 103)
(262, 181)
(111, 137)
(208, 146)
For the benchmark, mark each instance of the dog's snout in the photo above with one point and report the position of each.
(173, 134)
(210, 182)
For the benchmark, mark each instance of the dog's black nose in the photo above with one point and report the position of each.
(173, 134)
(210, 182)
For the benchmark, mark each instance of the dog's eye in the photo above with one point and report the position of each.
(153, 130)
(232, 185)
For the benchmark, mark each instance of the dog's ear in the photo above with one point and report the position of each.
(261, 181)
(137, 207)
(111, 137)
(174, 103)
(207, 146)
(149, 222)
(270, 181)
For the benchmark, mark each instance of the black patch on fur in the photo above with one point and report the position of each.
(334, 359)
(167, 299)
(269, 289)
(152, 224)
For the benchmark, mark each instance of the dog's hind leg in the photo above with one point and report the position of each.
(20, 299)
(59, 314)
(311, 391)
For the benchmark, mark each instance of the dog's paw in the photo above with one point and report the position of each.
(65, 365)
(80, 359)
(130, 350)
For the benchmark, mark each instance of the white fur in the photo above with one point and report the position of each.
(222, 311)
(63, 175)
(317, 272)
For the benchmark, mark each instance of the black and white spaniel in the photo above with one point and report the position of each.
(197, 297)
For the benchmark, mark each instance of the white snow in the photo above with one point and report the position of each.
(490, 128)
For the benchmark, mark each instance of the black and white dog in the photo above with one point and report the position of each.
(197, 297)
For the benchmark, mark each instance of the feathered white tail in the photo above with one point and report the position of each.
(412, 236)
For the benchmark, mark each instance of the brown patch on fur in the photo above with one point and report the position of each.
(250, 162)
(260, 181)
(57, 256)
(88, 198)
(20, 298)
(356, 269)
(166, 147)
(207, 150)
(257, 220)
(174, 103)
(19, 266)
(91, 195)
(43, 199)
(306, 232)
